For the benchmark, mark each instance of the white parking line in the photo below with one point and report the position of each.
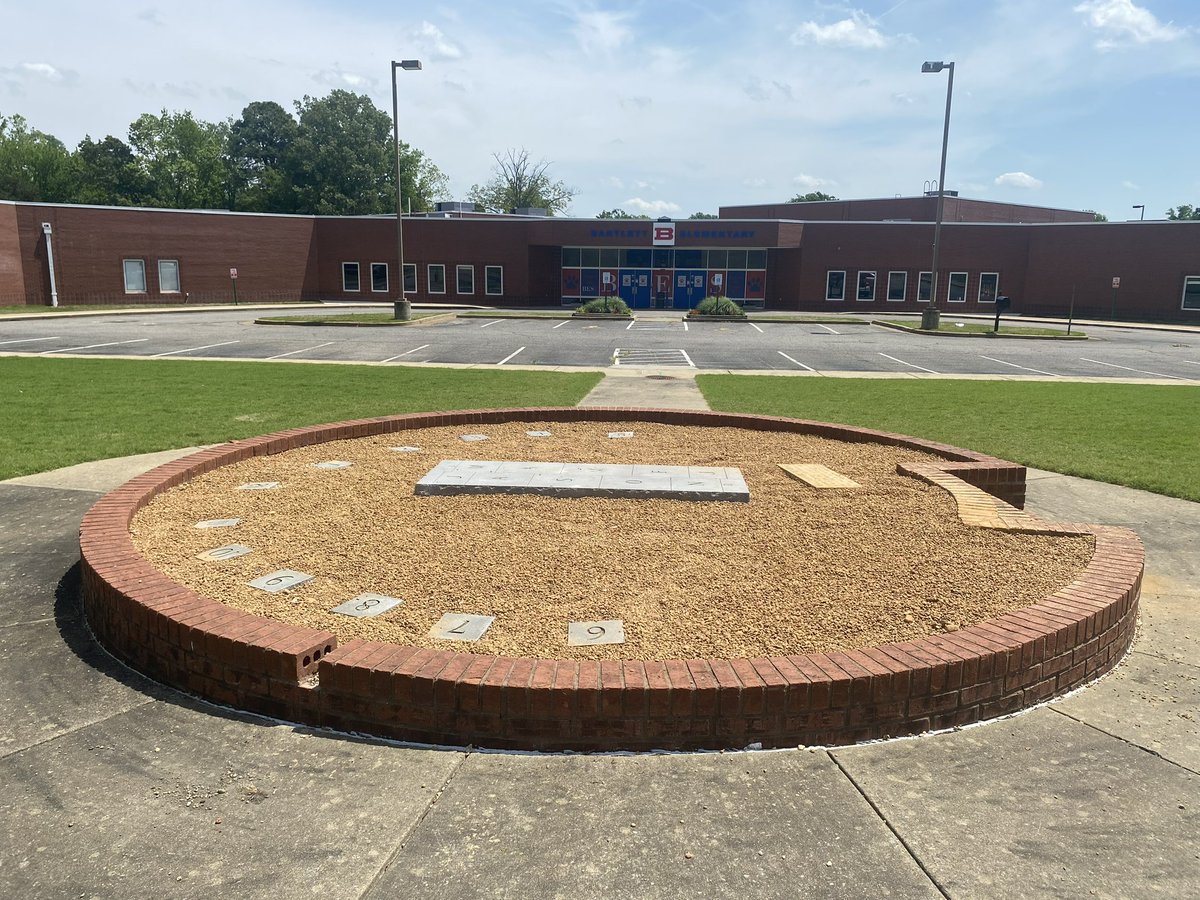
(29, 340)
(405, 353)
(191, 349)
(510, 356)
(685, 328)
(1127, 369)
(293, 353)
(493, 322)
(1015, 366)
(632, 322)
(796, 361)
(94, 346)
(826, 327)
(914, 365)
(1190, 362)
(561, 324)
(756, 328)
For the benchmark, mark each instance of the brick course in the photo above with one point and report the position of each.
(238, 659)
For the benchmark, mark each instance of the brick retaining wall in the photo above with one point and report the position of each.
(253, 663)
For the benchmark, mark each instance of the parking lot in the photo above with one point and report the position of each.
(659, 341)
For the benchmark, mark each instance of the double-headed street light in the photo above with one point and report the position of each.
(403, 309)
(930, 316)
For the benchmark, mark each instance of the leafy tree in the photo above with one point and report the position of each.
(1183, 212)
(1097, 216)
(182, 159)
(618, 213)
(811, 197)
(422, 184)
(107, 173)
(519, 183)
(257, 153)
(33, 165)
(702, 215)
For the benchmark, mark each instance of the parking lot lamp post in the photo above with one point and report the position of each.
(930, 316)
(402, 308)
(1142, 207)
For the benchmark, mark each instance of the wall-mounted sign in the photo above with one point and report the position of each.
(664, 234)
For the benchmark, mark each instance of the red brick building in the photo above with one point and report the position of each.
(869, 256)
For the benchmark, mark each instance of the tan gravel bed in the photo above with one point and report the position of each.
(795, 570)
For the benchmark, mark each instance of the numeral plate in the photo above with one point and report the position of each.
(606, 631)
(364, 606)
(220, 554)
(333, 464)
(259, 486)
(461, 627)
(538, 433)
(283, 580)
(405, 449)
(218, 523)
(620, 434)
(473, 437)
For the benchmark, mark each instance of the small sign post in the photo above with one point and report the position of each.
(1116, 282)
(233, 281)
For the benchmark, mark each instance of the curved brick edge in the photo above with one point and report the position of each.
(228, 656)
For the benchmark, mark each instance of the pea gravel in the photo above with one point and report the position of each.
(795, 570)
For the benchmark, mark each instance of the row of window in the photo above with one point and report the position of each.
(661, 258)
(897, 286)
(435, 279)
(135, 276)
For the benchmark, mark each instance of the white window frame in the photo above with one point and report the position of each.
(995, 292)
(125, 275)
(169, 262)
(413, 267)
(950, 283)
(458, 271)
(1188, 279)
(903, 286)
(358, 278)
(858, 285)
(921, 299)
(486, 289)
(387, 278)
(829, 299)
(429, 277)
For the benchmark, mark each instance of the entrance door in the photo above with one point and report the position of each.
(690, 287)
(661, 288)
(635, 288)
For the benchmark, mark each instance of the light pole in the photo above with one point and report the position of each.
(1142, 207)
(930, 316)
(402, 308)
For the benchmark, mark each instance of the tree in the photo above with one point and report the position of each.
(107, 173)
(519, 183)
(618, 213)
(34, 165)
(812, 197)
(341, 160)
(182, 159)
(1183, 212)
(257, 154)
(422, 184)
(702, 215)
(1097, 216)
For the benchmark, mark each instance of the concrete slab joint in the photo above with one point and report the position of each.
(304, 675)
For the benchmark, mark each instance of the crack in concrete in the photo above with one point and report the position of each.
(75, 729)
(1123, 740)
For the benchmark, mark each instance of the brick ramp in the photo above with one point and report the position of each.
(264, 666)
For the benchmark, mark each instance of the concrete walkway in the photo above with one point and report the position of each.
(117, 787)
(668, 388)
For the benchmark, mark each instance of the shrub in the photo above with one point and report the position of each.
(613, 305)
(718, 306)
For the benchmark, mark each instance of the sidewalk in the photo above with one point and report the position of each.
(117, 787)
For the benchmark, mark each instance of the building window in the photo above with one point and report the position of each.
(989, 284)
(1191, 292)
(436, 275)
(835, 285)
(168, 276)
(135, 276)
(410, 278)
(897, 285)
(465, 279)
(924, 282)
(956, 290)
(379, 278)
(493, 277)
(866, 285)
(570, 257)
(350, 280)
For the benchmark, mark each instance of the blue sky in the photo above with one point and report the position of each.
(673, 107)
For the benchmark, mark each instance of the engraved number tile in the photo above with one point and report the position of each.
(219, 554)
(606, 631)
(282, 580)
(405, 449)
(538, 434)
(218, 523)
(461, 627)
(364, 606)
(259, 486)
(469, 438)
(333, 464)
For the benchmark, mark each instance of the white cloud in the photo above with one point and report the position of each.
(1123, 22)
(811, 182)
(1018, 180)
(601, 32)
(754, 182)
(43, 70)
(651, 207)
(434, 44)
(336, 78)
(1129, 185)
(860, 31)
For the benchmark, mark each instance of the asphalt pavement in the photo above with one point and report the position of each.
(118, 787)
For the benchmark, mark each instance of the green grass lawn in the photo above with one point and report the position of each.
(57, 412)
(1143, 436)
(978, 328)
(373, 318)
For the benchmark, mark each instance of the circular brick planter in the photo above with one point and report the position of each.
(232, 657)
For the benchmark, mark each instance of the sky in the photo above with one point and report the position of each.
(671, 107)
